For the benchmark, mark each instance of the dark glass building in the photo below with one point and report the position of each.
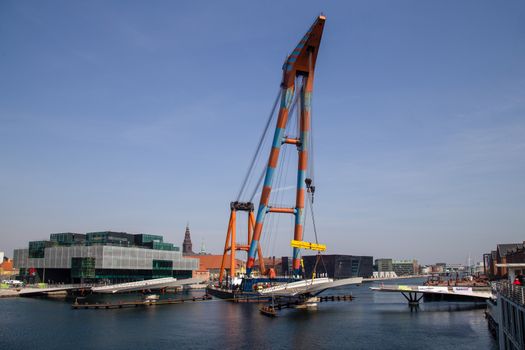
(339, 266)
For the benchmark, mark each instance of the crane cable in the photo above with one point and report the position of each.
(257, 151)
(263, 172)
(311, 189)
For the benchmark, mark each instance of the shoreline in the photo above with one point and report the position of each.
(9, 293)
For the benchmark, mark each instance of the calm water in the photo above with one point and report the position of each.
(371, 321)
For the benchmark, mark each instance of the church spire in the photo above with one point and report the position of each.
(186, 245)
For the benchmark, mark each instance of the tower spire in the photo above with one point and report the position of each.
(186, 244)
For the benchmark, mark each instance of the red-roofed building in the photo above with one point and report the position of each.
(212, 264)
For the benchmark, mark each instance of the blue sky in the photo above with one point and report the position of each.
(142, 116)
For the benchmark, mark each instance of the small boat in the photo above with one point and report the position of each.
(268, 310)
(152, 298)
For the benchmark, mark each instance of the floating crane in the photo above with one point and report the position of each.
(295, 91)
(300, 63)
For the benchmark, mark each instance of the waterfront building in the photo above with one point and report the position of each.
(478, 268)
(439, 267)
(384, 265)
(384, 274)
(506, 314)
(456, 268)
(286, 266)
(405, 267)
(502, 251)
(186, 244)
(425, 270)
(516, 259)
(340, 266)
(102, 256)
(211, 264)
(495, 261)
(276, 264)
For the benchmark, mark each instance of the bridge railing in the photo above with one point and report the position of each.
(49, 285)
(516, 293)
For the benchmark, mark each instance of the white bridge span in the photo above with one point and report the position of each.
(153, 284)
(411, 292)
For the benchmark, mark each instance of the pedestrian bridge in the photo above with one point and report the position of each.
(414, 294)
(159, 283)
(35, 290)
(153, 284)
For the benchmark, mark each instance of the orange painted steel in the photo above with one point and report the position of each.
(226, 248)
(302, 166)
(281, 210)
(292, 141)
(301, 62)
(231, 246)
(251, 223)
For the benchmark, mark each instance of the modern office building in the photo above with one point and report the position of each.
(384, 265)
(110, 256)
(405, 267)
(339, 266)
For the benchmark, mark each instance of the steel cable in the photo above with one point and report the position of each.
(250, 168)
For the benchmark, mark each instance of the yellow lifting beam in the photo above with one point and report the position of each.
(308, 245)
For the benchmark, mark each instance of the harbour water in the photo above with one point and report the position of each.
(370, 321)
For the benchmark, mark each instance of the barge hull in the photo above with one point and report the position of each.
(237, 296)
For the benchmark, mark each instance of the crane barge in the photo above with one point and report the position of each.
(295, 91)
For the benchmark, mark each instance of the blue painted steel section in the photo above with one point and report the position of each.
(298, 216)
(253, 249)
(286, 100)
(268, 180)
(296, 253)
(305, 140)
(277, 137)
(301, 175)
(287, 97)
(307, 103)
(260, 212)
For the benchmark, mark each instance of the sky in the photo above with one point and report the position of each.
(142, 116)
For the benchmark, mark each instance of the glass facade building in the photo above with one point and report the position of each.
(405, 267)
(68, 238)
(384, 265)
(103, 256)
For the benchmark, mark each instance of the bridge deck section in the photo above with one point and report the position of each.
(475, 292)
